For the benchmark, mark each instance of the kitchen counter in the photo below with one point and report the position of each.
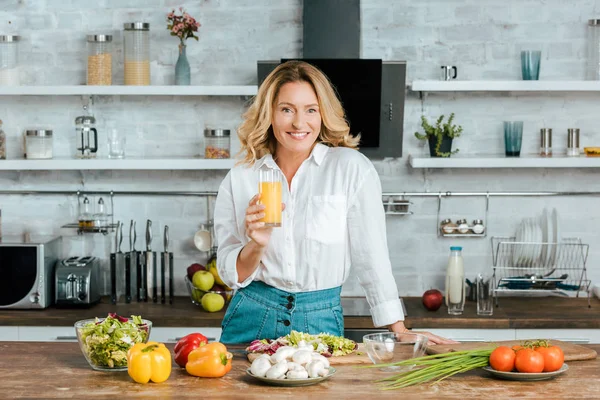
(59, 370)
(512, 313)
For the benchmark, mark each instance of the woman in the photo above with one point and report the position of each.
(290, 278)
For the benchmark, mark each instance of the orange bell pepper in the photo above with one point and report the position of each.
(209, 361)
(149, 362)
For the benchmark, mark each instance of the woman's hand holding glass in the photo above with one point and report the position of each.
(256, 229)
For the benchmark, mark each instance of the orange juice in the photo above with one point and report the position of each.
(270, 196)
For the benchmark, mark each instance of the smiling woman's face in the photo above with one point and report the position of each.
(296, 119)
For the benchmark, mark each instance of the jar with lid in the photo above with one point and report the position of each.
(447, 226)
(85, 217)
(99, 218)
(136, 38)
(9, 60)
(38, 143)
(99, 60)
(463, 227)
(216, 143)
(2, 143)
(478, 227)
(593, 49)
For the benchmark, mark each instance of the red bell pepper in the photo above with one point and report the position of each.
(185, 345)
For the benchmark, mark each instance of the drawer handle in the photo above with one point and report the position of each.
(66, 338)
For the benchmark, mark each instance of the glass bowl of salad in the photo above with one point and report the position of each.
(104, 341)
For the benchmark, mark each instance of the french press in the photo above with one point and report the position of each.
(86, 137)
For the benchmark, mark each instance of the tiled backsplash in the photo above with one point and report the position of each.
(482, 40)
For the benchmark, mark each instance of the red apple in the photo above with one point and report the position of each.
(432, 299)
(221, 290)
(192, 269)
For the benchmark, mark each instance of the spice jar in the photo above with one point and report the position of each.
(137, 53)
(447, 226)
(463, 227)
(2, 143)
(546, 142)
(216, 143)
(99, 61)
(9, 60)
(478, 227)
(85, 218)
(99, 218)
(38, 143)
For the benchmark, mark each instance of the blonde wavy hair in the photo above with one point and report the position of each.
(256, 133)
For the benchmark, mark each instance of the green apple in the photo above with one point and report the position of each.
(197, 295)
(213, 302)
(203, 280)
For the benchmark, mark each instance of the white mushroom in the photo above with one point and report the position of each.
(260, 366)
(302, 356)
(283, 353)
(294, 366)
(319, 357)
(303, 345)
(314, 368)
(277, 371)
(324, 372)
(297, 374)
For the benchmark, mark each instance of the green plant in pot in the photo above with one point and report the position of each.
(440, 135)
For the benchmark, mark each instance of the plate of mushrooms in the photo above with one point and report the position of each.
(291, 366)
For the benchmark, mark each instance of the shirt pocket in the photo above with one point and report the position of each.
(327, 219)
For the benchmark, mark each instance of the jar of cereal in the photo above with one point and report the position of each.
(99, 65)
(216, 143)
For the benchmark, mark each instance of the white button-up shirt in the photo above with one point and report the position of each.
(334, 219)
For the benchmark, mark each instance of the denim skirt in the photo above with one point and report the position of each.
(260, 311)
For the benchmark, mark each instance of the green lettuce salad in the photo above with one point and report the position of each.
(106, 341)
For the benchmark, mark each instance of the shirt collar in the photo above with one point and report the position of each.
(317, 154)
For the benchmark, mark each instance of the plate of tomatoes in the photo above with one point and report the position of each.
(533, 361)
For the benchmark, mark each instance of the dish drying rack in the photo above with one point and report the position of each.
(538, 269)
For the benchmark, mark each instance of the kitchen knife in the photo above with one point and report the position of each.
(113, 268)
(142, 283)
(151, 264)
(128, 265)
(164, 265)
(171, 281)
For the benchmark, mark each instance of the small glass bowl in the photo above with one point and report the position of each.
(94, 346)
(196, 295)
(391, 347)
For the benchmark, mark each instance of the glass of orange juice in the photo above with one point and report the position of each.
(269, 190)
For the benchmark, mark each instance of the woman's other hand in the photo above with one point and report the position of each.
(399, 327)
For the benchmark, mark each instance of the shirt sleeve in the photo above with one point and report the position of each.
(369, 251)
(230, 241)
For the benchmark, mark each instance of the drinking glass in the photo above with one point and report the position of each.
(269, 189)
(530, 64)
(513, 136)
(116, 144)
(485, 295)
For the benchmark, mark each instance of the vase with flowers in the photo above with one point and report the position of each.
(183, 27)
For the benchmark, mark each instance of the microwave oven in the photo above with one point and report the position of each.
(27, 271)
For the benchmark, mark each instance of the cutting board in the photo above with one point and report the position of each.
(358, 357)
(573, 352)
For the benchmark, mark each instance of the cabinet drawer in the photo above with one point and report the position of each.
(9, 333)
(172, 335)
(577, 336)
(472, 335)
(47, 334)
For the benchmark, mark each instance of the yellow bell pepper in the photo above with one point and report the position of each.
(149, 362)
(209, 361)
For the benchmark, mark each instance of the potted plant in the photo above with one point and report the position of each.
(440, 136)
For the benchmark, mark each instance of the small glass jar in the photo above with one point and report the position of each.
(136, 40)
(546, 142)
(85, 218)
(99, 61)
(9, 60)
(216, 143)
(2, 143)
(447, 226)
(478, 227)
(38, 143)
(463, 227)
(99, 218)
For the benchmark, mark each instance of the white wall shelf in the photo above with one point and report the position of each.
(63, 164)
(501, 161)
(116, 90)
(505, 86)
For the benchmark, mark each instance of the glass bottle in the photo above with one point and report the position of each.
(99, 218)
(2, 143)
(85, 218)
(455, 282)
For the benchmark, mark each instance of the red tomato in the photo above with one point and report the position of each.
(503, 359)
(554, 358)
(529, 360)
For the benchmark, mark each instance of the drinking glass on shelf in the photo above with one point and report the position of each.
(485, 295)
(269, 189)
(116, 144)
(513, 137)
(530, 64)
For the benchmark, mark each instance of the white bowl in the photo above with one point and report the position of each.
(202, 240)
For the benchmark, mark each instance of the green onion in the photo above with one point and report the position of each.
(436, 367)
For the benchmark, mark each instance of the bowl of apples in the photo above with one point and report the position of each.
(206, 288)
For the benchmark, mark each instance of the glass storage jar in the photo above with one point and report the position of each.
(38, 143)
(216, 143)
(99, 60)
(2, 143)
(9, 60)
(593, 49)
(136, 39)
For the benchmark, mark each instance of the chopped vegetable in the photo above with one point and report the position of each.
(106, 341)
(323, 343)
(149, 362)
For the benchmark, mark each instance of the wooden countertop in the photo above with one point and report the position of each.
(512, 313)
(59, 370)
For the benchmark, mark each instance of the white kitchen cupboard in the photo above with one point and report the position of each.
(47, 334)
(9, 333)
(577, 336)
(472, 335)
(172, 335)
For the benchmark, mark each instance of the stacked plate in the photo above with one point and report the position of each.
(536, 240)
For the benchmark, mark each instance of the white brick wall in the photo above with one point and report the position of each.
(482, 38)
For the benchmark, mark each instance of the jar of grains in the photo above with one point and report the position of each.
(9, 60)
(216, 143)
(136, 39)
(99, 64)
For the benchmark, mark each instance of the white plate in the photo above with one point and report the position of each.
(522, 376)
(293, 382)
(545, 248)
(538, 238)
(552, 246)
(518, 249)
(557, 238)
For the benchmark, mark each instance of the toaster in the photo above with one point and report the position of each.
(76, 281)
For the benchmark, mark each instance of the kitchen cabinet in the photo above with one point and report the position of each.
(47, 334)
(472, 335)
(172, 335)
(9, 333)
(577, 336)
